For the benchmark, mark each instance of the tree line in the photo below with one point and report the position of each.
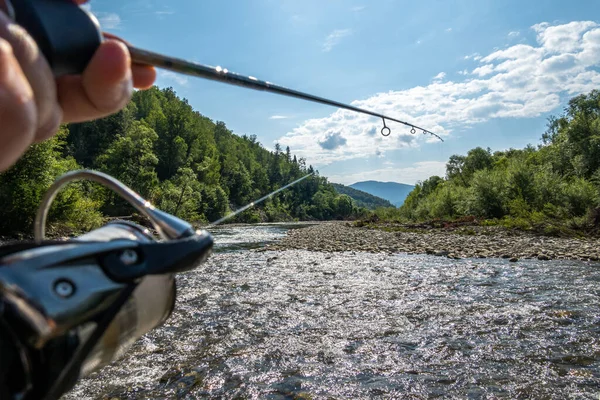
(362, 199)
(172, 155)
(554, 185)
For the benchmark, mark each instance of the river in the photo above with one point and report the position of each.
(310, 325)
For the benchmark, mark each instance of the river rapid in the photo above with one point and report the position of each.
(301, 324)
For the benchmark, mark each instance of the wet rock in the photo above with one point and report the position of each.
(514, 259)
(543, 257)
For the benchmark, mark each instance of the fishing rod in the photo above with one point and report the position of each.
(69, 47)
(224, 75)
(68, 308)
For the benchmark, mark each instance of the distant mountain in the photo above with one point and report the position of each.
(362, 199)
(392, 191)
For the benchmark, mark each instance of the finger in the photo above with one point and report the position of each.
(104, 88)
(38, 73)
(143, 75)
(17, 108)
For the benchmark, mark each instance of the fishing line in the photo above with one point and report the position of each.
(250, 205)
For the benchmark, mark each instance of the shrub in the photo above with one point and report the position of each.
(488, 194)
(580, 196)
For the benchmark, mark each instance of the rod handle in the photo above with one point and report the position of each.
(67, 35)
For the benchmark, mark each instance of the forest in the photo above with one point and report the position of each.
(180, 160)
(199, 170)
(552, 188)
(362, 199)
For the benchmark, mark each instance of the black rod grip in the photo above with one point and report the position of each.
(67, 35)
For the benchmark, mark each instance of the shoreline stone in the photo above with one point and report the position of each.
(486, 242)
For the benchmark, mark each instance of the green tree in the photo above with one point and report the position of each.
(181, 196)
(343, 206)
(23, 186)
(86, 141)
(130, 158)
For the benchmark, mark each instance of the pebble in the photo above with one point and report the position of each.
(487, 242)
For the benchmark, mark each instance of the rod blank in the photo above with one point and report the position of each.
(219, 74)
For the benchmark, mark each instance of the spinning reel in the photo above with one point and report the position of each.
(68, 308)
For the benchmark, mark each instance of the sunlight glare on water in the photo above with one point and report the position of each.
(238, 237)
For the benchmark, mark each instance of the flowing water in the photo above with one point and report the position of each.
(310, 325)
(230, 238)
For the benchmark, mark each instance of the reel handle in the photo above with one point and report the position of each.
(67, 35)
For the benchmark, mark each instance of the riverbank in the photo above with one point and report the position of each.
(470, 242)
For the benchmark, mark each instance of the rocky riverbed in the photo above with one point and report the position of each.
(471, 242)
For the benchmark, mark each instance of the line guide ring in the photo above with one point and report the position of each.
(385, 131)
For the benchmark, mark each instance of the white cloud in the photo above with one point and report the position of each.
(358, 8)
(410, 175)
(278, 117)
(521, 81)
(164, 77)
(514, 34)
(590, 54)
(109, 20)
(484, 70)
(562, 38)
(334, 38)
(474, 56)
(463, 72)
(448, 30)
(439, 77)
(332, 141)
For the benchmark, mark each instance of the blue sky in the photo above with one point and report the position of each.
(478, 72)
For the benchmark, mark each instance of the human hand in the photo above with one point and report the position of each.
(33, 103)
